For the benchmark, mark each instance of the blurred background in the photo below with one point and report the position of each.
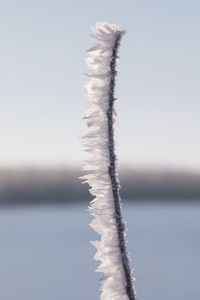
(45, 252)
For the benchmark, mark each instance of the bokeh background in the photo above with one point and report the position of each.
(44, 251)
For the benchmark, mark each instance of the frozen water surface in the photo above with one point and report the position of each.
(45, 252)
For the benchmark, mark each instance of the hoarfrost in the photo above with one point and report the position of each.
(111, 248)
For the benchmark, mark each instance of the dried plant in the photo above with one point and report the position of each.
(100, 168)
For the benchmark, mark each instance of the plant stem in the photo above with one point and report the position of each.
(112, 172)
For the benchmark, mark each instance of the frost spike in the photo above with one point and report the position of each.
(117, 280)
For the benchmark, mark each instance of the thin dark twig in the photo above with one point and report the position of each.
(112, 172)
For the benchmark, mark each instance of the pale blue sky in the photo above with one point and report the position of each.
(42, 98)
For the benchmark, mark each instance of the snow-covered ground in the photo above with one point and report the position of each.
(45, 252)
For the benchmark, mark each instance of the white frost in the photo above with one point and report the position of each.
(113, 282)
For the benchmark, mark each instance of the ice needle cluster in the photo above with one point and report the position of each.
(100, 168)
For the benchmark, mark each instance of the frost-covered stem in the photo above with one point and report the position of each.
(101, 174)
(113, 177)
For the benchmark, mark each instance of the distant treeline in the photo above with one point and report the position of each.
(62, 185)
